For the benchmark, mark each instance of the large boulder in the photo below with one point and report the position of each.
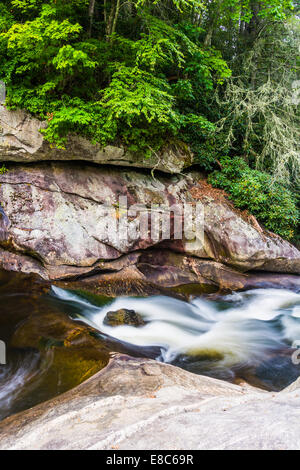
(137, 404)
(22, 141)
(54, 222)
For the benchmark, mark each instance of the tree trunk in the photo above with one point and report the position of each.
(252, 28)
(110, 20)
(213, 21)
(116, 17)
(91, 16)
(209, 35)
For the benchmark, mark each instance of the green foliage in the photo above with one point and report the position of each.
(142, 107)
(260, 115)
(3, 170)
(70, 60)
(197, 131)
(107, 89)
(270, 202)
(162, 45)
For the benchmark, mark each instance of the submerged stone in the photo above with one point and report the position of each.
(124, 317)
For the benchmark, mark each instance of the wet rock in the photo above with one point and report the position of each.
(69, 354)
(47, 352)
(29, 284)
(123, 317)
(178, 276)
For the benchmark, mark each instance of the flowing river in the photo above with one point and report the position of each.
(59, 339)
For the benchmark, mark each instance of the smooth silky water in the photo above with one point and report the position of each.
(242, 336)
(245, 336)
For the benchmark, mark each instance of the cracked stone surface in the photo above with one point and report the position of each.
(54, 220)
(137, 404)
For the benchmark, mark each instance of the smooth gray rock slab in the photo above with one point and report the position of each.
(142, 404)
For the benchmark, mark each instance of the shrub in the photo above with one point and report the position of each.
(273, 205)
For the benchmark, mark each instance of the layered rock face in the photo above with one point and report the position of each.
(62, 220)
(136, 404)
(56, 224)
(22, 141)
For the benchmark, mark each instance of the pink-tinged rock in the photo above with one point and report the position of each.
(55, 221)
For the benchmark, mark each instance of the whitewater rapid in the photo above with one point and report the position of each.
(240, 328)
